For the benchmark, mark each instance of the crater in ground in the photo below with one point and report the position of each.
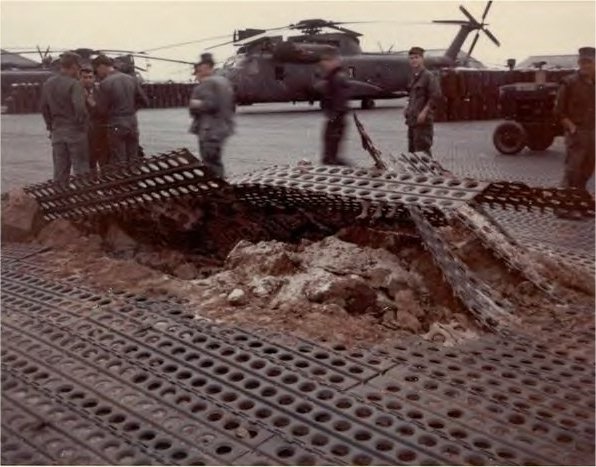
(317, 276)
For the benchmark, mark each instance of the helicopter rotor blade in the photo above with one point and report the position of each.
(355, 22)
(216, 46)
(450, 21)
(492, 37)
(471, 49)
(116, 51)
(171, 60)
(468, 14)
(180, 44)
(488, 4)
(247, 39)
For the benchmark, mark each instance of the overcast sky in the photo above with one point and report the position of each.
(523, 27)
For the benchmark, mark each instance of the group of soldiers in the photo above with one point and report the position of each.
(90, 120)
(90, 112)
(91, 123)
(212, 108)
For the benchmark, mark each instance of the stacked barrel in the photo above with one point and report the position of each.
(467, 94)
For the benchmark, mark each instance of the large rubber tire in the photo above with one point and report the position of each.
(540, 140)
(510, 138)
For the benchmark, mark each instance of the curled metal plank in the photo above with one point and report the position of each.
(512, 253)
(486, 306)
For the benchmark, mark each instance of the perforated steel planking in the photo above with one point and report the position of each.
(121, 187)
(351, 185)
(17, 251)
(488, 308)
(421, 404)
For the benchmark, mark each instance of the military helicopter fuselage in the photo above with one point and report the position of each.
(271, 69)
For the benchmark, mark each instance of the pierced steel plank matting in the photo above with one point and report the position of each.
(118, 378)
(12, 251)
(121, 187)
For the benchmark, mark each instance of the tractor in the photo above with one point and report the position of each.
(528, 110)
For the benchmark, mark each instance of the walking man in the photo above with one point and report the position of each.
(335, 105)
(212, 108)
(97, 134)
(424, 95)
(575, 111)
(121, 96)
(65, 115)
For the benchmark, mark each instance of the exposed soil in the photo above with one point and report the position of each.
(360, 285)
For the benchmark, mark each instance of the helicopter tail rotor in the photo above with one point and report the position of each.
(473, 24)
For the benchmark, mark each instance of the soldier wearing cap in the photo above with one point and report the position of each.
(65, 115)
(121, 97)
(575, 111)
(424, 94)
(334, 104)
(98, 135)
(212, 108)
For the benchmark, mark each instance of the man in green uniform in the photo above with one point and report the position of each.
(575, 111)
(212, 108)
(335, 105)
(121, 97)
(65, 115)
(98, 124)
(424, 94)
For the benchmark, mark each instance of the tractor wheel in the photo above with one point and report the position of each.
(367, 104)
(540, 140)
(510, 138)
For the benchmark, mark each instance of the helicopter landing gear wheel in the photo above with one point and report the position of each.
(367, 104)
(510, 138)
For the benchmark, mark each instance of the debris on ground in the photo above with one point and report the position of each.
(361, 285)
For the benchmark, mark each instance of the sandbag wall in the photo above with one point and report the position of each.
(467, 94)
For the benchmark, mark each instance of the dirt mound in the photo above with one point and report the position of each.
(360, 285)
(21, 217)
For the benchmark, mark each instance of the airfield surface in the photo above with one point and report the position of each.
(285, 133)
(93, 373)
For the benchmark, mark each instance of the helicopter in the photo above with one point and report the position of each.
(268, 68)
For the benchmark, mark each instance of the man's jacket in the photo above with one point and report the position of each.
(213, 117)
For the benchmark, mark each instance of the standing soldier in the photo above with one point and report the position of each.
(424, 93)
(121, 96)
(575, 111)
(335, 105)
(98, 134)
(212, 108)
(65, 115)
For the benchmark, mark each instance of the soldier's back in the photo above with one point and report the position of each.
(118, 91)
(57, 92)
